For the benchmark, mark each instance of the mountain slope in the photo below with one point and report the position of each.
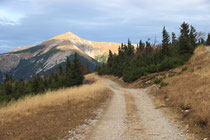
(24, 62)
(187, 93)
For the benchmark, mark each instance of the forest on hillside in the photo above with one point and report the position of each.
(131, 63)
(72, 75)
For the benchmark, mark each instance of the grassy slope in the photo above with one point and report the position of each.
(188, 94)
(50, 115)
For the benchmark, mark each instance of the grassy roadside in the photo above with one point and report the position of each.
(51, 115)
(187, 94)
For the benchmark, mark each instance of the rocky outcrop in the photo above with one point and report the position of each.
(8, 62)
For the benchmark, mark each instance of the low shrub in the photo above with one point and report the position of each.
(158, 81)
(163, 84)
(184, 69)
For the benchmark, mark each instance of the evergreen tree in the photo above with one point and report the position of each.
(141, 45)
(192, 37)
(130, 51)
(77, 73)
(46, 84)
(208, 39)
(202, 41)
(184, 43)
(42, 87)
(68, 74)
(140, 48)
(153, 59)
(68, 64)
(60, 70)
(165, 42)
(174, 40)
(8, 88)
(19, 89)
(8, 79)
(119, 50)
(149, 50)
(110, 57)
(34, 84)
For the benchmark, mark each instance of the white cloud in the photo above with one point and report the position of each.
(9, 17)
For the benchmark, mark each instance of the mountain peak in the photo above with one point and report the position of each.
(66, 36)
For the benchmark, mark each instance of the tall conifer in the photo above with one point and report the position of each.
(208, 39)
(165, 42)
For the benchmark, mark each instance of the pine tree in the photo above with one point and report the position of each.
(165, 42)
(68, 64)
(184, 43)
(192, 37)
(67, 79)
(34, 84)
(8, 79)
(110, 57)
(129, 42)
(174, 40)
(208, 39)
(149, 50)
(153, 60)
(19, 89)
(60, 70)
(141, 45)
(119, 50)
(130, 51)
(8, 88)
(202, 41)
(46, 78)
(77, 74)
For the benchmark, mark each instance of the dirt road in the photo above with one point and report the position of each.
(132, 116)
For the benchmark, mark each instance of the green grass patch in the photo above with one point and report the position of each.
(184, 69)
(163, 84)
(171, 74)
(158, 81)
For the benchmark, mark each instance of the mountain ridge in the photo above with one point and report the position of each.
(104, 47)
(44, 58)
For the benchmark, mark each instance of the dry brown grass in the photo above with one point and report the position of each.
(48, 115)
(189, 92)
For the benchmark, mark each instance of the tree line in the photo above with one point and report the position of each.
(208, 39)
(131, 63)
(72, 75)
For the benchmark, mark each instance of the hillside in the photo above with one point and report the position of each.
(24, 62)
(55, 114)
(182, 94)
(188, 92)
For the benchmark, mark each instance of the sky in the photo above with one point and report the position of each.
(30, 22)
